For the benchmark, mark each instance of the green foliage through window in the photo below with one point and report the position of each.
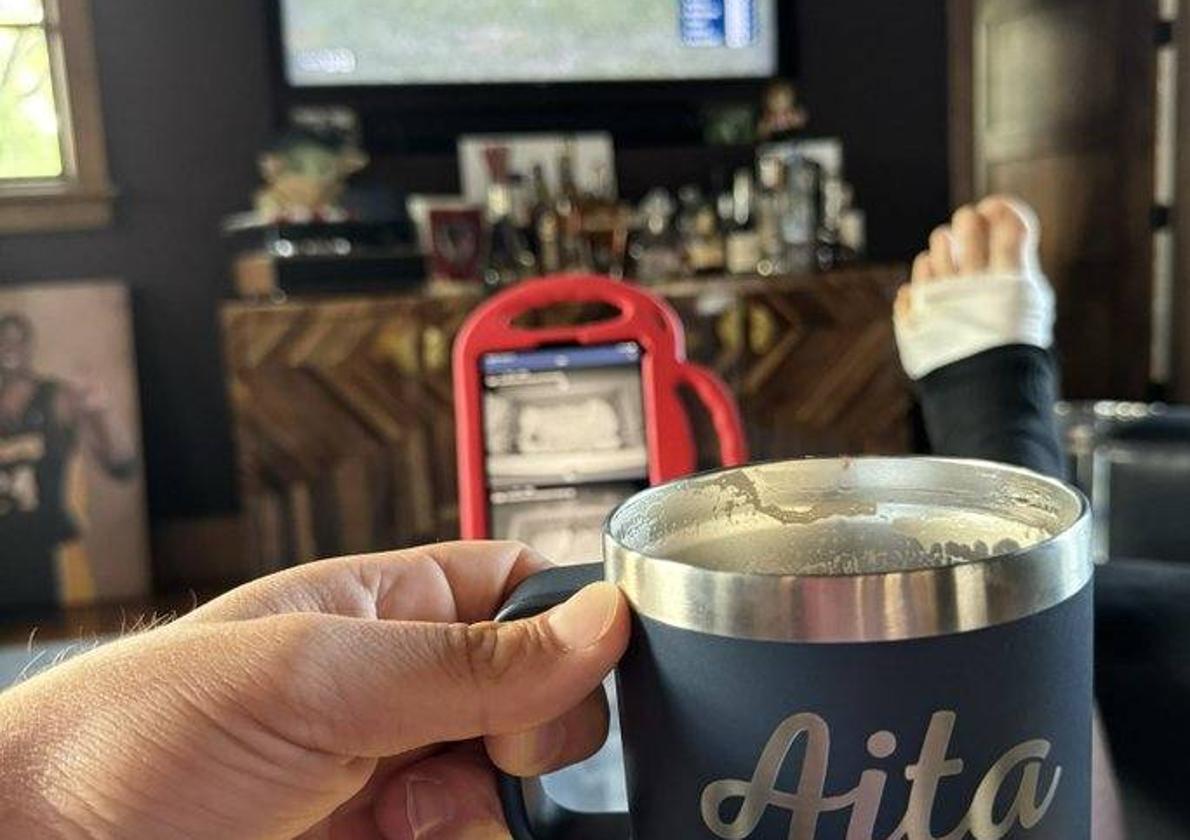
(30, 145)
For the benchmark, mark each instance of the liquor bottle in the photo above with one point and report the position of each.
(724, 200)
(573, 250)
(836, 200)
(518, 188)
(705, 250)
(799, 228)
(605, 225)
(772, 206)
(702, 240)
(725, 208)
(742, 247)
(546, 231)
(689, 201)
(656, 248)
(853, 234)
(508, 256)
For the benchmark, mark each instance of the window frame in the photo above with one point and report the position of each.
(82, 197)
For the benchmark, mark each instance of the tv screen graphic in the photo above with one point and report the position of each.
(432, 42)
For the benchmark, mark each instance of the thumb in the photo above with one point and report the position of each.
(377, 688)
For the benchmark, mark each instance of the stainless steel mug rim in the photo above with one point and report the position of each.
(858, 607)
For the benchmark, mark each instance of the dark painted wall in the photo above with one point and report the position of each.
(874, 73)
(186, 100)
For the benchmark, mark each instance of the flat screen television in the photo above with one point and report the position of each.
(387, 43)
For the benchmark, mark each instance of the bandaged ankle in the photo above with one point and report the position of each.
(955, 317)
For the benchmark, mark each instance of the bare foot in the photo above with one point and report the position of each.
(1000, 234)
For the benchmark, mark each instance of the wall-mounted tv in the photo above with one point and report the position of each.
(352, 43)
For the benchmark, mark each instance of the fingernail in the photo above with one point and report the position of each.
(584, 619)
(428, 805)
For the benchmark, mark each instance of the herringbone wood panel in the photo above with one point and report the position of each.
(345, 428)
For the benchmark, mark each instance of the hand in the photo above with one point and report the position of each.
(365, 697)
(91, 398)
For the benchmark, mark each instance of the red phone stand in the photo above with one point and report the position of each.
(643, 318)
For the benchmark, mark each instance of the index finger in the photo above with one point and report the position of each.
(455, 581)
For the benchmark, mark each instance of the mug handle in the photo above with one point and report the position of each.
(536, 595)
(721, 405)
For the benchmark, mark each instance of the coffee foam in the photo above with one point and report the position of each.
(735, 523)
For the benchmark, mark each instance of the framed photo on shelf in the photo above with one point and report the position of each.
(72, 499)
(457, 238)
(593, 159)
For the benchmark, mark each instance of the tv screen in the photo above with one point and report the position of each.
(429, 42)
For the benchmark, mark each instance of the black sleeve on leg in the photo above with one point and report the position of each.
(1142, 674)
(997, 405)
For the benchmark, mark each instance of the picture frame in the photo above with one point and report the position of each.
(72, 498)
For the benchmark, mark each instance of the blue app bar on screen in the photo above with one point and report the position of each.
(563, 358)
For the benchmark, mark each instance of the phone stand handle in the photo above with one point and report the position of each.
(719, 402)
(553, 822)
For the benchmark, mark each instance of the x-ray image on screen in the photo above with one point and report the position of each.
(565, 443)
(563, 523)
(564, 417)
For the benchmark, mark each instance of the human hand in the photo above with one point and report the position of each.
(364, 697)
(88, 394)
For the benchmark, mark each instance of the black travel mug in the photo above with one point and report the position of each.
(844, 649)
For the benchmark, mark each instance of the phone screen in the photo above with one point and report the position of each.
(564, 440)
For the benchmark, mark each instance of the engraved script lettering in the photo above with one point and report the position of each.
(808, 801)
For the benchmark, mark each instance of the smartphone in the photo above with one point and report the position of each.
(564, 443)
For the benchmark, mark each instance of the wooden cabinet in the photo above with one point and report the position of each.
(345, 429)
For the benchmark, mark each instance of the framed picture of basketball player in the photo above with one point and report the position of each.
(72, 510)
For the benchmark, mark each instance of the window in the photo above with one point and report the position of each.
(53, 167)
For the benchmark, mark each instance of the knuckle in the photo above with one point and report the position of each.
(489, 650)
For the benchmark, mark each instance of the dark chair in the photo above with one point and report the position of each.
(1133, 460)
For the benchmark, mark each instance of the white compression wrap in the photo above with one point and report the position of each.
(955, 317)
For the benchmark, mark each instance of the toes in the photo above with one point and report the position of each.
(970, 231)
(942, 252)
(901, 304)
(922, 269)
(1009, 205)
(1011, 226)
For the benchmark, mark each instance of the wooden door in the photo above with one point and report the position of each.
(1053, 100)
(1179, 317)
